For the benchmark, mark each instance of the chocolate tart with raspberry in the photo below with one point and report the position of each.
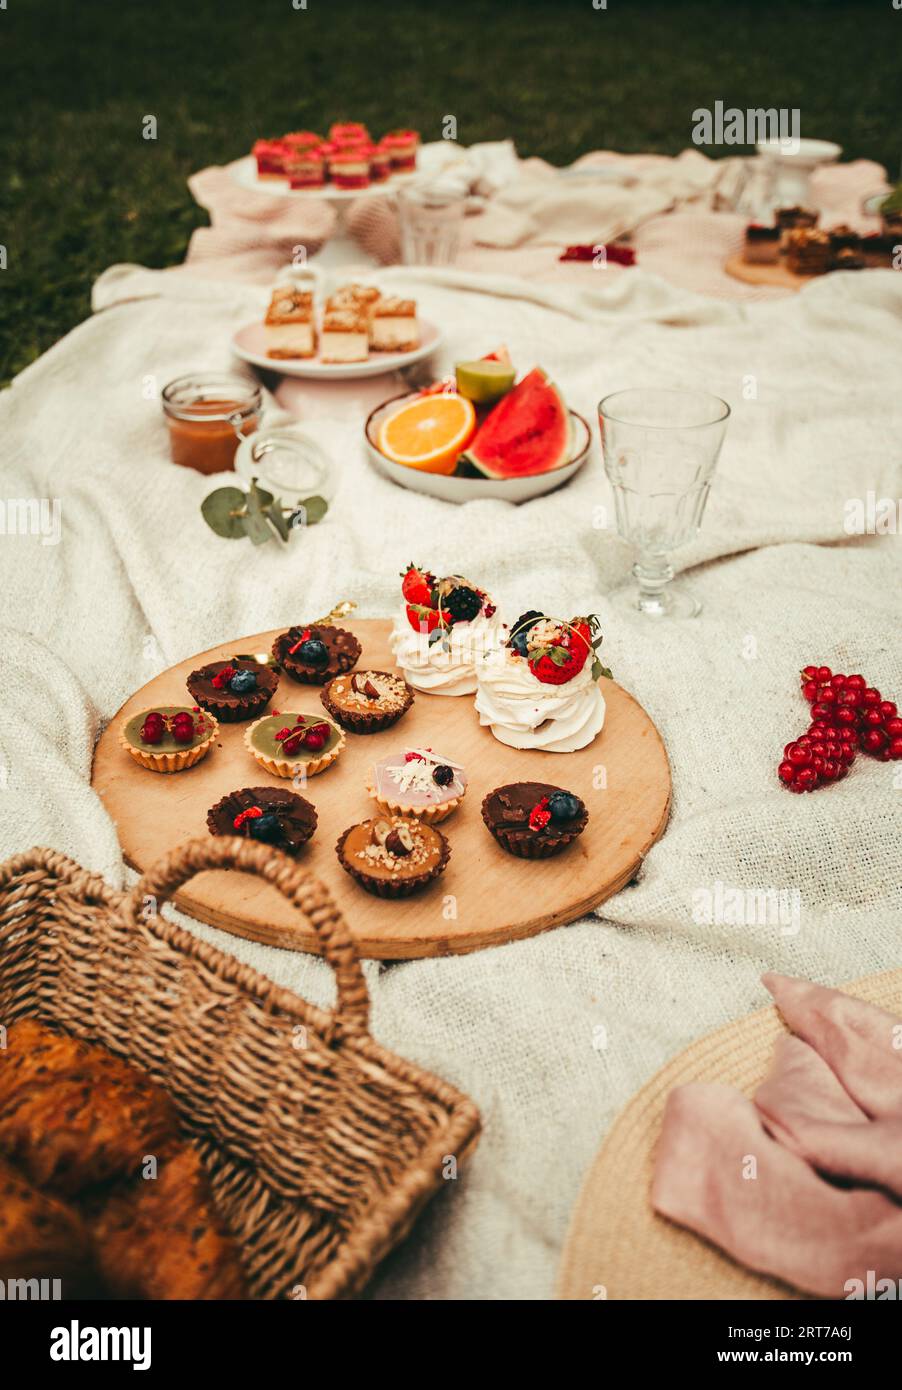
(393, 857)
(534, 820)
(169, 738)
(316, 653)
(367, 701)
(270, 815)
(289, 744)
(233, 690)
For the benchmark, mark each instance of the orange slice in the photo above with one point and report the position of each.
(429, 433)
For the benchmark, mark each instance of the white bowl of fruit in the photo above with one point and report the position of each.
(480, 434)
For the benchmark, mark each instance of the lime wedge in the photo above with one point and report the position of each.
(483, 382)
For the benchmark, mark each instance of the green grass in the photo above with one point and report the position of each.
(80, 188)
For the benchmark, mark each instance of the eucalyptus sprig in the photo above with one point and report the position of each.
(233, 513)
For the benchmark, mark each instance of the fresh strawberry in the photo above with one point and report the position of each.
(423, 619)
(564, 654)
(557, 670)
(416, 585)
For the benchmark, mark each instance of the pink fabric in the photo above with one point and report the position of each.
(252, 236)
(761, 1178)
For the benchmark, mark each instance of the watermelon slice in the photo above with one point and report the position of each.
(527, 432)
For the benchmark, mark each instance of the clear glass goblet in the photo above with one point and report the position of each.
(660, 451)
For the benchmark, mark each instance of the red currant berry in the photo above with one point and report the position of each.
(823, 674)
(809, 690)
(822, 711)
(830, 770)
(872, 741)
(895, 747)
(806, 779)
(837, 682)
(809, 673)
(818, 764)
(845, 716)
(893, 727)
(871, 718)
(871, 696)
(819, 749)
(888, 709)
(855, 682)
(313, 741)
(800, 757)
(786, 772)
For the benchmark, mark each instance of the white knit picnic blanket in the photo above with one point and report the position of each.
(551, 1036)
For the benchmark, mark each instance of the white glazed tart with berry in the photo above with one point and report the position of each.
(541, 689)
(443, 628)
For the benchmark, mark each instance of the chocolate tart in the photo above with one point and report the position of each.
(295, 817)
(342, 649)
(363, 854)
(168, 755)
(367, 701)
(507, 812)
(261, 742)
(229, 706)
(404, 784)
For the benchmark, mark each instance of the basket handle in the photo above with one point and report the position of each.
(297, 884)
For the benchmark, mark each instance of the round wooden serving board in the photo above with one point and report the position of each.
(775, 274)
(485, 897)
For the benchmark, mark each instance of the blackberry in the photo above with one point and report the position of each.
(521, 628)
(463, 604)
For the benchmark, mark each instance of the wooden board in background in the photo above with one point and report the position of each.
(776, 274)
(497, 898)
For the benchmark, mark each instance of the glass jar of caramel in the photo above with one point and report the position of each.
(208, 414)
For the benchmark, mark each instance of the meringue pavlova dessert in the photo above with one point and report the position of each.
(444, 627)
(540, 690)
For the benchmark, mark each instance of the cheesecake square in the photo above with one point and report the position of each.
(344, 335)
(270, 157)
(394, 325)
(350, 168)
(289, 328)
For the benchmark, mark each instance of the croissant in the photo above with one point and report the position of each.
(163, 1238)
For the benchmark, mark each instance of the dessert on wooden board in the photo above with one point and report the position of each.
(294, 745)
(170, 738)
(417, 782)
(312, 654)
(366, 702)
(233, 690)
(442, 627)
(271, 815)
(534, 820)
(795, 240)
(393, 857)
(540, 690)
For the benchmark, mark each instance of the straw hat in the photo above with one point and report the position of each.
(617, 1247)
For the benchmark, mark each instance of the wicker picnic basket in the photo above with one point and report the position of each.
(321, 1146)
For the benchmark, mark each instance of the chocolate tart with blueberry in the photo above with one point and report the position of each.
(417, 782)
(315, 653)
(289, 744)
(270, 815)
(233, 690)
(367, 701)
(169, 738)
(534, 819)
(393, 857)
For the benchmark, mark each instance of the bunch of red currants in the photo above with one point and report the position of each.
(848, 715)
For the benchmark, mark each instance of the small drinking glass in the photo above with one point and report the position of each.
(430, 219)
(660, 451)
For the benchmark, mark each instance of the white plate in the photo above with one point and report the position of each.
(249, 343)
(473, 489)
(244, 171)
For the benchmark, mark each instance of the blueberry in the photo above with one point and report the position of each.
(267, 828)
(564, 806)
(313, 652)
(443, 774)
(243, 682)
